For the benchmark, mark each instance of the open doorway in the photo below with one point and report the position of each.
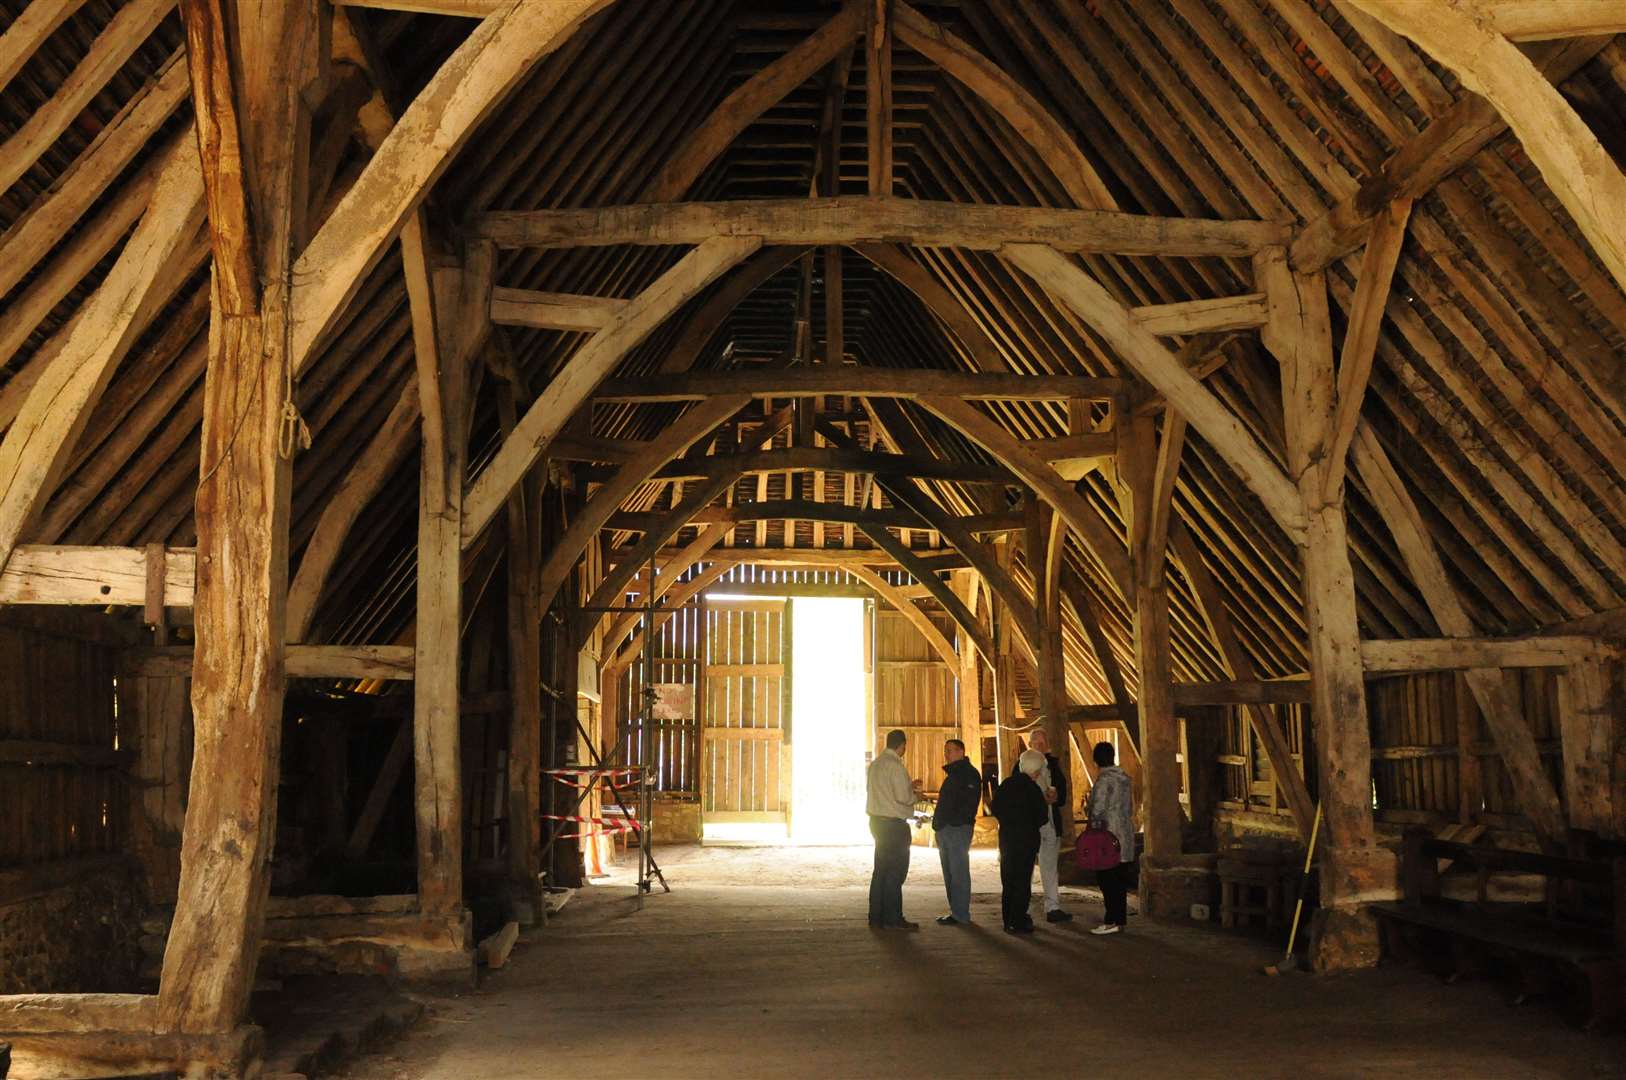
(830, 717)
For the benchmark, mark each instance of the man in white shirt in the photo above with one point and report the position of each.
(891, 802)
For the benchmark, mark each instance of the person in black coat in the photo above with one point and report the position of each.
(958, 800)
(1053, 782)
(1020, 806)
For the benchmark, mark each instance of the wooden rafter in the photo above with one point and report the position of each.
(855, 381)
(60, 402)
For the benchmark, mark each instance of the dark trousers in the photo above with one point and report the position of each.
(1016, 884)
(891, 868)
(1115, 891)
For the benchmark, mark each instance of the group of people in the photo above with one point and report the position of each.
(1028, 804)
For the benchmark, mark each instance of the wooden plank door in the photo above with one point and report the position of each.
(744, 760)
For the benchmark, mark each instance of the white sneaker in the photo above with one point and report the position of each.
(1106, 928)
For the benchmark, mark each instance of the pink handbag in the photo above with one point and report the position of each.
(1097, 849)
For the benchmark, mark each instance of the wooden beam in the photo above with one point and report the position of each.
(939, 589)
(1164, 371)
(120, 38)
(1202, 316)
(1300, 336)
(390, 662)
(860, 219)
(93, 576)
(241, 514)
(53, 214)
(1450, 141)
(1537, 20)
(60, 403)
(673, 440)
(1087, 524)
(525, 607)
(1159, 731)
(568, 389)
(1052, 143)
(1391, 656)
(28, 31)
(878, 94)
(837, 459)
(1361, 335)
(855, 381)
(474, 80)
(220, 147)
(553, 311)
(458, 309)
(750, 100)
(462, 9)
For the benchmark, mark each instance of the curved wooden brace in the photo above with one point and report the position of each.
(911, 611)
(939, 301)
(1085, 521)
(935, 585)
(751, 99)
(587, 368)
(473, 80)
(1031, 120)
(680, 596)
(674, 440)
(1575, 165)
(616, 581)
(913, 498)
(709, 538)
(704, 324)
(1147, 357)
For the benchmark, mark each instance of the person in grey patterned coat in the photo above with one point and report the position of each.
(1112, 807)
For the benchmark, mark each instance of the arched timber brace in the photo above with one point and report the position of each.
(674, 440)
(444, 115)
(566, 392)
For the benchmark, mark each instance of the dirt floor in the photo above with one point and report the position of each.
(760, 964)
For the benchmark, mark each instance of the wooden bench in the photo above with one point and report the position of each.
(1538, 940)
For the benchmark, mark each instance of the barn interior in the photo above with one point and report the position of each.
(456, 450)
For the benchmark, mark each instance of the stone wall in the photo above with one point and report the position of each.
(676, 821)
(79, 936)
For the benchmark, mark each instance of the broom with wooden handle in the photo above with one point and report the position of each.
(1290, 962)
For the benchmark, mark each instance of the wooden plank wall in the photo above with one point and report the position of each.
(1433, 761)
(744, 767)
(670, 745)
(915, 691)
(62, 784)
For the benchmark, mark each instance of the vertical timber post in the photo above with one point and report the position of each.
(1353, 868)
(263, 56)
(1159, 732)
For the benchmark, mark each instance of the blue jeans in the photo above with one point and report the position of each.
(954, 852)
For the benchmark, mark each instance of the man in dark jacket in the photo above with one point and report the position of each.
(1020, 806)
(952, 824)
(1053, 782)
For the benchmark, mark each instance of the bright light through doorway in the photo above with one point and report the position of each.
(830, 729)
